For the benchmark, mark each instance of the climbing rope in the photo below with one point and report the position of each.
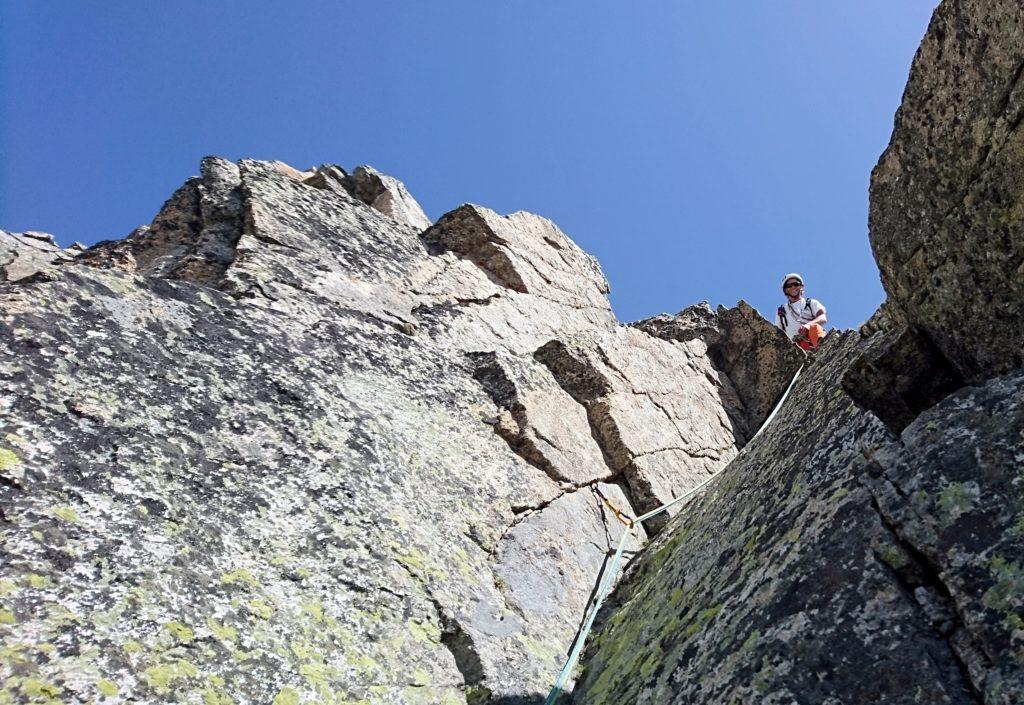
(628, 526)
(777, 406)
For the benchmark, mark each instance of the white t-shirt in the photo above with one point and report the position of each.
(798, 313)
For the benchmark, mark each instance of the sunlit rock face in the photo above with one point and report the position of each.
(290, 442)
(947, 196)
(28, 253)
(751, 352)
(868, 546)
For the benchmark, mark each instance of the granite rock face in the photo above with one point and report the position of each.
(387, 195)
(952, 495)
(280, 446)
(744, 347)
(291, 443)
(834, 563)
(383, 193)
(656, 409)
(28, 253)
(947, 196)
(868, 546)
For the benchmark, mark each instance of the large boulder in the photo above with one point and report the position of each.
(947, 196)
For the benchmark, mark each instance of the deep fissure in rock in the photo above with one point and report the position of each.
(936, 603)
(588, 387)
(467, 660)
(502, 390)
(902, 378)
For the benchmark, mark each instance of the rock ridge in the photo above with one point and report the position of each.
(284, 443)
(292, 442)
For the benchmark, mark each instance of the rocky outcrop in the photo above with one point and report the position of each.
(381, 192)
(831, 563)
(387, 195)
(28, 253)
(291, 443)
(279, 446)
(657, 410)
(901, 377)
(867, 546)
(947, 196)
(750, 352)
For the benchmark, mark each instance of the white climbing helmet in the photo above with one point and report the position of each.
(791, 275)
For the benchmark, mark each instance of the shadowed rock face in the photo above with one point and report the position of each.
(279, 444)
(867, 547)
(901, 378)
(831, 563)
(750, 352)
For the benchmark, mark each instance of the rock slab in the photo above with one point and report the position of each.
(285, 445)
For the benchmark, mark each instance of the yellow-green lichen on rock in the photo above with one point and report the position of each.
(271, 463)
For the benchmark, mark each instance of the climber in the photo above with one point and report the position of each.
(801, 319)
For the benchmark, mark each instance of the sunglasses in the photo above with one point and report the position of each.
(790, 285)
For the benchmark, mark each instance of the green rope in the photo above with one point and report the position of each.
(609, 576)
(606, 583)
(777, 406)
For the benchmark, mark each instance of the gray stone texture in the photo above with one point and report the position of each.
(28, 253)
(831, 563)
(292, 443)
(387, 195)
(383, 193)
(745, 348)
(655, 408)
(947, 196)
(867, 547)
(278, 446)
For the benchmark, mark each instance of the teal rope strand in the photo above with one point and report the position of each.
(609, 577)
(577, 647)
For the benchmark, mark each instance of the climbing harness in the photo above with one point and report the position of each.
(629, 524)
(807, 307)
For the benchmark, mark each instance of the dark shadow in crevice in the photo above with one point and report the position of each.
(900, 377)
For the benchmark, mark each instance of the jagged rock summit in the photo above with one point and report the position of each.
(291, 442)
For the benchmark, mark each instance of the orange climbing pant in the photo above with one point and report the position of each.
(815, 333)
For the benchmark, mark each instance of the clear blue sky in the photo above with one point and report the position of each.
(699, 149)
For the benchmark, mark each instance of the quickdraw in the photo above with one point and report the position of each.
(619, 514)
